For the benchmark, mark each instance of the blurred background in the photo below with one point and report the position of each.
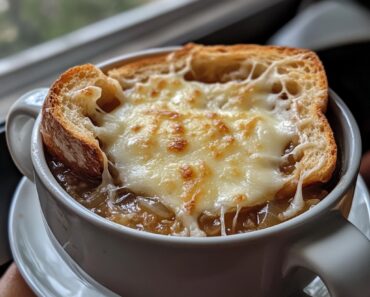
(41, 38)
(26, 23)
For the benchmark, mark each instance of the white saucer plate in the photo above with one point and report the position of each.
(49, 275)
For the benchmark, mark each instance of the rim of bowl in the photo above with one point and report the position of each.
(43, 172)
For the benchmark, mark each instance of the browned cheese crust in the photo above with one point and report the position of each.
(212, 64)
(209, 64)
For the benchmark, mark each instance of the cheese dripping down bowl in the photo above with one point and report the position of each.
(119, 257)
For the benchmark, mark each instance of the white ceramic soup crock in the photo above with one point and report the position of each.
(269, 262)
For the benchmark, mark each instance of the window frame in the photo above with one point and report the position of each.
(158, 23)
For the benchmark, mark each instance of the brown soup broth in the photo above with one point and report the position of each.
(148, 214)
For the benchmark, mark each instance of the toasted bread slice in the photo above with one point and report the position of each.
(67, 119)
(65, 126)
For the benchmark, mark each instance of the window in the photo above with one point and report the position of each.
(153, 23)
(27, 23)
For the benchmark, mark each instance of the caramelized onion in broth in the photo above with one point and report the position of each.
(149, 214)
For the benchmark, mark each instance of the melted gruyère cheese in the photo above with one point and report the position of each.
(200, 147)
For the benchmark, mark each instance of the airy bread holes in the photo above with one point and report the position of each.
(308, 85)
(237, 74)
(282, 70)
(197, 74)
(246, 69)
(296, 64)
(276, 87)
(107, 101)
(258, 70)
(283, 96)
(292, 87)
(221, 74)
(231, 72)
(229, 68)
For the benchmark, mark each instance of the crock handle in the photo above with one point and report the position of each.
(19, 126)
(339, 253)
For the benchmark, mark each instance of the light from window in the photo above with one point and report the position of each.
(25, 23)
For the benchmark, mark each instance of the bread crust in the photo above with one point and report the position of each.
(79, 151)
(209, 64)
